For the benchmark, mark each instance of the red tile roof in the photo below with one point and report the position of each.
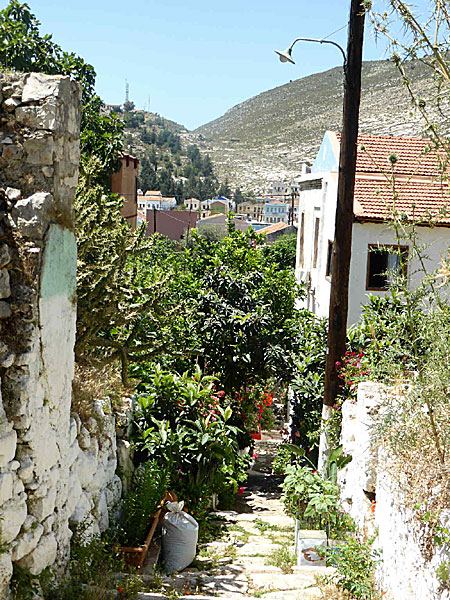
(419, 200)
(415, 156)
(272, 228)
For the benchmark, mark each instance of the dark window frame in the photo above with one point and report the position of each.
(384, 248)
(329, 259)
(316, 241)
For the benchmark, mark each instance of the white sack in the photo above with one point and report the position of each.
(179, 538)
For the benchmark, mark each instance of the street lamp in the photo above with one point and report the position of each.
(286, 55)
(342, 246)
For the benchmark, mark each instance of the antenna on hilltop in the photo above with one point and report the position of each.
(127, 91)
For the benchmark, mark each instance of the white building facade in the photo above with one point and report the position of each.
(375, 246)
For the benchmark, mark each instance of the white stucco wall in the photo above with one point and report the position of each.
(402, 573)
(322, 203)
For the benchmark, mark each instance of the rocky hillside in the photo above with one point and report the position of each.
(269, 136)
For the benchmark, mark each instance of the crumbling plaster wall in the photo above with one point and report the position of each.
(54, 471)
(371, 492)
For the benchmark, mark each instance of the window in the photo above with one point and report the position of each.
(382, 263)
(329, 257)
(316, 241)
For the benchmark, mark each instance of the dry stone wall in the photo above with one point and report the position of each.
(54, 470)
(372, 495)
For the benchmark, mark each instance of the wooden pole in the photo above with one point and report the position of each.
(342, 247)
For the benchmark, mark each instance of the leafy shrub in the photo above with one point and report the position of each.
(183, 422)
(354, 563)
(281, 460)
(308, 385)
(313, 500)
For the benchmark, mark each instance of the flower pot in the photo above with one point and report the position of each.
(257, 435)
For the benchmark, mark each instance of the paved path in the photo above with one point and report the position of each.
(255, 556)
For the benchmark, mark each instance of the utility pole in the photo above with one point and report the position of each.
(342, 246)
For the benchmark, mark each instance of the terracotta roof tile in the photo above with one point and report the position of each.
(419, 200)
(415, 156)
(272, 228)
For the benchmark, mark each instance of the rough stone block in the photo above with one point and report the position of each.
(6, 570)
(43, 507)
(82, 510)
(42, 556)
(13, 194)
(27, 542)
(5, 255)
(26, 471)
(5, 310)
(74, 495)
(8, 444)
(39, 117)
(5, 288)
(6, 487)
(10, 104)
(86, 467)
(12, 152)
(14, 514)
(39, 86)
(39, 149)
(30, 215)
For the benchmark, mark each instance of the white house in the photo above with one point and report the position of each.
(384, 164)
(154, 200)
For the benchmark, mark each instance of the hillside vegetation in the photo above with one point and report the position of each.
(269, 136)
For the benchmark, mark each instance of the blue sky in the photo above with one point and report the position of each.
(191, 60)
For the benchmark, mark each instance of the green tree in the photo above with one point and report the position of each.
(148, 179)
(282, 252)
(238, 196)
(128, 106)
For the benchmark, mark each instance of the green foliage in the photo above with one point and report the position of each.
(354, 563)
(222, 308)
(22, 48)
(390, 333)
(309, 381)
(283, 558)
(150, 483)
(108, 297)
(24, 585)
(313, 500)
(184, 423)
(93, 567)
(282, 252)
(281, 460)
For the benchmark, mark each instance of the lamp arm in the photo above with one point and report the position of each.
(321, 42)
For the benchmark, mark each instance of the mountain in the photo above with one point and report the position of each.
(268, 137)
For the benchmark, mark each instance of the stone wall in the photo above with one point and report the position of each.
(371, 494)
(54, 471)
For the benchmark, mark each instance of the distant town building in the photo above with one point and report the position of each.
(275, 211)
(273, 232)
(175, 224)
(154, 200)
(124, 184)
(252, 210)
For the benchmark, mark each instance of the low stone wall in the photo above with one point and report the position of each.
(371, 494)
(54, 470)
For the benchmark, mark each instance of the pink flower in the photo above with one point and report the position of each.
(241, 490)
(254, 455)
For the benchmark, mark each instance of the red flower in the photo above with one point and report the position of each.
(120, 588)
